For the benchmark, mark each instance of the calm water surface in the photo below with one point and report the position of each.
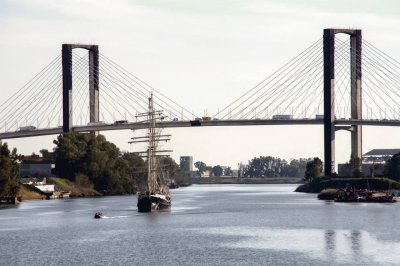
(208, 225)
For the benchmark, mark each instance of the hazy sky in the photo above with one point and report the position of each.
(203, 54)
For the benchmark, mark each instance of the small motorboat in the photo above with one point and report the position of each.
(98, 215)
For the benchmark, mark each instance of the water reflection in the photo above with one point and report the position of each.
(330, 243)
(352, 243)
(207, 225)
(352, 247)
(356, 241)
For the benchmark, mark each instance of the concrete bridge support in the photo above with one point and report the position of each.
(329, 96)
(356, 103)
(67, 83)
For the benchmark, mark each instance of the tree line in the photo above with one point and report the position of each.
(216, 170)
(268, 166)
(91, 160)
(263, 166)
(88, 160)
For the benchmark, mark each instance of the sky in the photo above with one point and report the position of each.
(203, 54)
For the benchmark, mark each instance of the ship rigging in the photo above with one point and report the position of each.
(155, 195)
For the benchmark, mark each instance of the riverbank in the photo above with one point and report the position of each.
(30, 192)
(248, 180)
(372, 183)
(76, 190)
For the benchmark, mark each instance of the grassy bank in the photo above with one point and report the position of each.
(76, 190)
(374, 183)
(28, 192)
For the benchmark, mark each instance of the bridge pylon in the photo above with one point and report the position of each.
(93, 51)
(329, 96)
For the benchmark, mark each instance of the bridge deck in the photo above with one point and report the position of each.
(174, 124)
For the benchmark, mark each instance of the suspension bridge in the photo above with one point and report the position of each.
(340, 81)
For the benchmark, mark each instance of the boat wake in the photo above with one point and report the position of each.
(113, 217)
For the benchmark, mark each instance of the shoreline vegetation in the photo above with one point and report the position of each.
(30, 192)
(75, 189)
(246, 180)
(327, 187)
(87, 165)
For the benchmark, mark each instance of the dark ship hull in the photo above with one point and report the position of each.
(144, 203)
(156, 202)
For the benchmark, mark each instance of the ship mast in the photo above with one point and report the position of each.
(155, 179)
(151, 158)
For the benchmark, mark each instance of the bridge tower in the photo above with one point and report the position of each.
(329, 96)
(93, 51)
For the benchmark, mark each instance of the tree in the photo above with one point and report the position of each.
(264, 166)
(96, 158)
(174, 170)
(352, 168)
(228, 171)
(313, 169)
(45, 153)
(201, 166)
(355, 163)
(169, 165)
(392, 167)
(217, 170)
(295, 168)
(268, 166)
(9, 171)
(181, 177)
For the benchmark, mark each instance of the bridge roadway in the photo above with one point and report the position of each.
(341, 123)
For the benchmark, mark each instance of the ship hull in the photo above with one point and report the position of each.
(144, 203)
(160, 203)
(148, 203)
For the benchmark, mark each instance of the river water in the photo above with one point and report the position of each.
(208, 225)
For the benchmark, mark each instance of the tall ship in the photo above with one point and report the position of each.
(154, 194)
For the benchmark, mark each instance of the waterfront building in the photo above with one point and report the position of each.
(373, 162)
(35, 169)
(379, 155)
(36, 166)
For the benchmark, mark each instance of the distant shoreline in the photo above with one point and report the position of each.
(373, 183)
(247, 180)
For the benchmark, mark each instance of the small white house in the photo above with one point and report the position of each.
(45, 188)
